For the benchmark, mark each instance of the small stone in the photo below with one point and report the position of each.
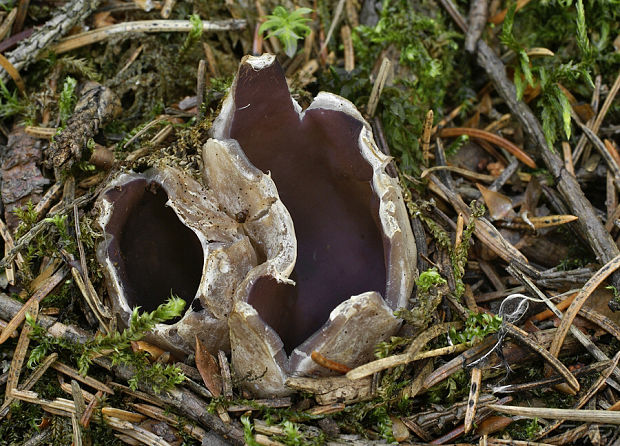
(399, 430)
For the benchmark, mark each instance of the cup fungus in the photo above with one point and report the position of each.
(165, 233)
(351, 229)
(297, 240)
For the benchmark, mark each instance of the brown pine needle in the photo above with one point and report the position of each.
(8, 66)
(492, 138)
(500, 16)
(546, 314)
(426, 137)
(552, 220)
(328, 363)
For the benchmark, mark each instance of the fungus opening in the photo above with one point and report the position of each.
(326, 185)
(154, 253)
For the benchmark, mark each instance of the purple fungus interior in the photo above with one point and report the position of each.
(154, 253)
(325, 183)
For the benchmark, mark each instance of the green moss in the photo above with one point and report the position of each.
(428, 67)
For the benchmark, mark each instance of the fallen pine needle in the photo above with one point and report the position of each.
(328, 363)
(492, 138)
(586, 416)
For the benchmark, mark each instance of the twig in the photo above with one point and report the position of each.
(601, 320)
(227, 389)
(455, 14)
(568, 157)
(78, 398)
(136, 432)
(88, 413)
(9, 244)
(7, 23)
(166, 9)
(477, 21)
(88, 290)
(22, 11)
(51, 195)
(416, 385)
(602, 149)
(142, 26)
(40, 438)
(14, 73)
(80, 408)
(332, 26)
(333, 389)
(570, 436)
(67, 17)
(613, 91)
(201, 80)
(77, 430)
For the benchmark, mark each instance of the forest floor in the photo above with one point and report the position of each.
(502, 121)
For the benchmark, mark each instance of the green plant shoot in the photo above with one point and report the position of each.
(288, 27)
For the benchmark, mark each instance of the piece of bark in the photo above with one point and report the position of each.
(332, 390)
(65, 18)
(22, 180)
(96, 106)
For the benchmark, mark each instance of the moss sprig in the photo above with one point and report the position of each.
(117, 346)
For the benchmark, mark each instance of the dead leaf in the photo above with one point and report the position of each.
(499, 205)
(493, 424)
(208, 369)
(102, 19)
(584, 111)
(143, 346)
